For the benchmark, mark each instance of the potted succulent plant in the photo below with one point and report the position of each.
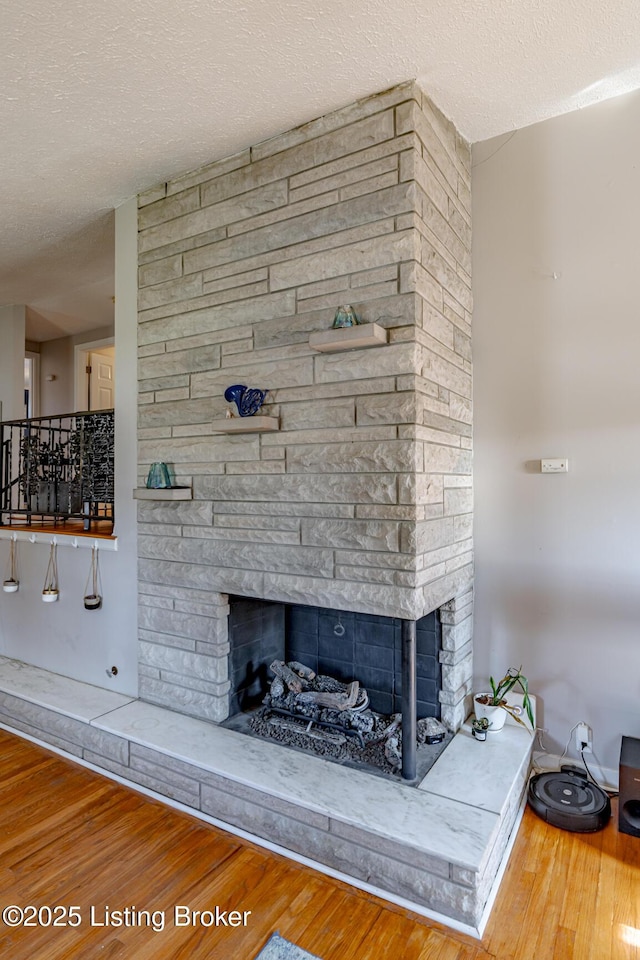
(479, 728)
(494, 707)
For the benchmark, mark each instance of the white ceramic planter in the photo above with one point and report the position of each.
(495, 715)
(50, 596)
(10, 586)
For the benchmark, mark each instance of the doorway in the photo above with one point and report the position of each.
(31, 383)
(94, 365)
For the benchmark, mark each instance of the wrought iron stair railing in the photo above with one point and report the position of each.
(57, 469)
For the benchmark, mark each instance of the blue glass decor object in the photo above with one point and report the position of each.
(345, 317)
(158, 477)
(248, 400)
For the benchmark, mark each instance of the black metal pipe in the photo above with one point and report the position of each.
(409, 697)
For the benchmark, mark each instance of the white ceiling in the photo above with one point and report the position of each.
(99, 101)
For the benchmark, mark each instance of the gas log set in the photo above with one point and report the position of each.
(332, 719)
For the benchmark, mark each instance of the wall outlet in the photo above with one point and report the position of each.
(584, 735)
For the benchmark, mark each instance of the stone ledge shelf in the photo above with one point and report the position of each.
(163, 493)
(438, 849)
(245, 424)
(349, 338)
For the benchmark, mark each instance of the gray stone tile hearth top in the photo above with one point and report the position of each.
(82, 701)
(480, 774)
(434, 824)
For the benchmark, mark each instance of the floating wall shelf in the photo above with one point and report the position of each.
(245, 424)
(349, 338)
(163, 493)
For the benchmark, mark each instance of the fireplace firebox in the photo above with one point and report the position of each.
(396, 661)
(341, 643)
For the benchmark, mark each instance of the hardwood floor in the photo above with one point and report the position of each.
(70, 837)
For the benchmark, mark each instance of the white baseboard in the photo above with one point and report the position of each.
(606, 777)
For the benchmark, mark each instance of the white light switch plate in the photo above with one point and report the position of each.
(559, 465)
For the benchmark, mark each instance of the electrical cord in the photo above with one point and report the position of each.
(610, 793)
(564, 752)
(586, 766)
(539, 767)
(539, 733)
(535, 758)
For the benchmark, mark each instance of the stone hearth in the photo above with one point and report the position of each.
(437, 849)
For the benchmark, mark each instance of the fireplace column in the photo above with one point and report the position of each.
(409, 696)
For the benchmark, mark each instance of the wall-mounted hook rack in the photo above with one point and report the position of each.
(60, 539)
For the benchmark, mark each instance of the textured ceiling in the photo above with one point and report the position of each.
(101, 101)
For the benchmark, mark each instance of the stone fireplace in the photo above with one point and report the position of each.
(360, 501)
(353, 495)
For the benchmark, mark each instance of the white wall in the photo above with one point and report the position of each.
(63, 636)
(12, 323)
(57, 358)
(557, 373)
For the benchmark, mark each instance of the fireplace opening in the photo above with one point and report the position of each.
(335, 648)
(348, 646)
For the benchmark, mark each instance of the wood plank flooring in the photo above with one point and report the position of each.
(70, 837)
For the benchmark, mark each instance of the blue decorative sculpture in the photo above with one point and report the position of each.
(248, 400)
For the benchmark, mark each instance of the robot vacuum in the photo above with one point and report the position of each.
(567, 799)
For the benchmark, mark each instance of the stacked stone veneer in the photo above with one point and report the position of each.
(362, 499)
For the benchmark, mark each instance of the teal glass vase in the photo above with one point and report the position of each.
(158, 477)
(345, 317)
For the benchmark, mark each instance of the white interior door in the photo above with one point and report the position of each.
(101, 379)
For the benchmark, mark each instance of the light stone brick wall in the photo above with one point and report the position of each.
(362, 499)
(456, 658)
